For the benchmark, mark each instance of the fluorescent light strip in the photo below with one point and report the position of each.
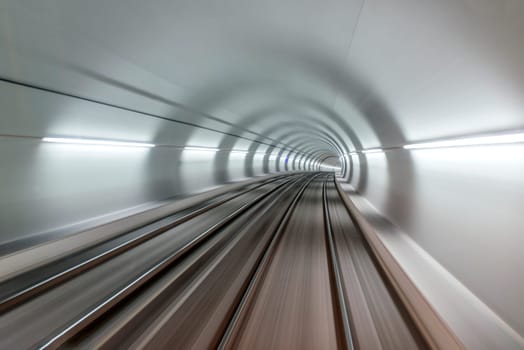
(470, 141)
(79, 141)
(373, 150)
(354, 153)
(201, 149)
(330, 167)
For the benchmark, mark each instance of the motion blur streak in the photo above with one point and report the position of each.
(262, 174)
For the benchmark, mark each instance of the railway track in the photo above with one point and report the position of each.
(278, 265)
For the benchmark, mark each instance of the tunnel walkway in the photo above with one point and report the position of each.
(278, 264)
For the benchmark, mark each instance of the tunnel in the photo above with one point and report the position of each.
(292, 174)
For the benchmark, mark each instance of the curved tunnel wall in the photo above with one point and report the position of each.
(260, 78)
(60, 184)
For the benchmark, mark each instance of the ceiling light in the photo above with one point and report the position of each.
(470, 141)
(201, 149)
(373, 150)
(80, 141)
(330, 167)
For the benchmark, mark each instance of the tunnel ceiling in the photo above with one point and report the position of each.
(331, 76)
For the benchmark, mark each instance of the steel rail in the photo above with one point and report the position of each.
(166, 290)
(64, 333)
(17, 295)
(336, 275)
(256, 278)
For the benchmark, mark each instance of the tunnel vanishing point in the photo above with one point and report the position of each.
(292, 174)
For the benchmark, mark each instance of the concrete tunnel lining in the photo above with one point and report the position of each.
(369, 74)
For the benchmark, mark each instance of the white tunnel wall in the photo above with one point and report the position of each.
(47, 186)
(464, 207)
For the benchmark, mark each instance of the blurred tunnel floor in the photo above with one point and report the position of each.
(433, 292)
